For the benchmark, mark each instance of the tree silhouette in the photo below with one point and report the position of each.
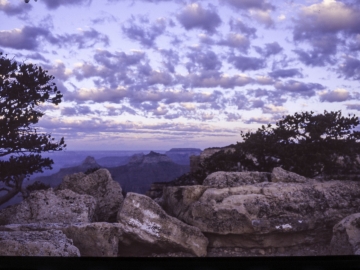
(310, 145)
(22, 88)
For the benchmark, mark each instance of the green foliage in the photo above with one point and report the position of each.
(304, 143)
(23, 87)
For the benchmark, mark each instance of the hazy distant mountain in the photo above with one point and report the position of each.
(182, 155)
(142, 170)
(55, 179)
(135, 176)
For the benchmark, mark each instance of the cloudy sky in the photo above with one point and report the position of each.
(157, 74)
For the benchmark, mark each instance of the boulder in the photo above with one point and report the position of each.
(234, 179)
(99, 239)
(36, 243)
(50, 207)
(346, 236)
(102, 187)
(148, 228)
(278, 174)
(264, 214)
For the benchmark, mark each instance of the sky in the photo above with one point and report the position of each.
(160, 74)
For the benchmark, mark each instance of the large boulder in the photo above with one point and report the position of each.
(36, 243)
(346, 236)
(234, 179)
(102, 187)
(50, 207)
(99, 239)
(149, 229)
(264, 214)
(278, 174)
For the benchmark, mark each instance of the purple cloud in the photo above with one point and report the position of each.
(239, 26)
(195, 16)
(54, 4)
(249, 4)
(350, 68)
(337, 95)
(11, 9)
(299, 88)
(285, 73)
(244, 63)
(270, 49)
(144, 34)
(236, 41)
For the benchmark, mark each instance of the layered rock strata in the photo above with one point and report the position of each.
(102, 187)
(264, 214)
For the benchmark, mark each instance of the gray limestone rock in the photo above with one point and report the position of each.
(264, 214)
(98, 239)
(36, 243)
(278, 174)
(102, 187)
(149, 227)
(50, 207)
(346, 236)
(234, 179)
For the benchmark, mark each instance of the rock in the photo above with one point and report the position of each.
(102, 187)
(44, 243)
(280, 175)
(346, 236)
(264, 214)
(99, 239)
(149, 227)
(234, 179)
(50, 207)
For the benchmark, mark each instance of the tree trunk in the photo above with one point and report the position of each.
(14, 191)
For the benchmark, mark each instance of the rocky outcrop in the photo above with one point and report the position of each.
(280, 175)
(51, 207)
(346, 236)
(99, 239)
(102, 187)
(197, 161)
(234, 179)
(36, 243)
(264, 214)
(147, 225)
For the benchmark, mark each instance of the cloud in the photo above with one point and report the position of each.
(263, 17)
(195, 16)
(86, 39)
(244, 63)
(98, 95)
(144, 33)
(236, 41)
(11, 9)
(238, 25)
(272, 109)
(270, 49)
(30, 37)
(202, 60)
(249, 4)
(211, 78)
(259, 120)
(232, 117)
(298, 88)
(54, 4)
(353, 107)
(285, 73)
(319, 25)
(350, 68)
(76, 110)
(170, 59)
(337, 95)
